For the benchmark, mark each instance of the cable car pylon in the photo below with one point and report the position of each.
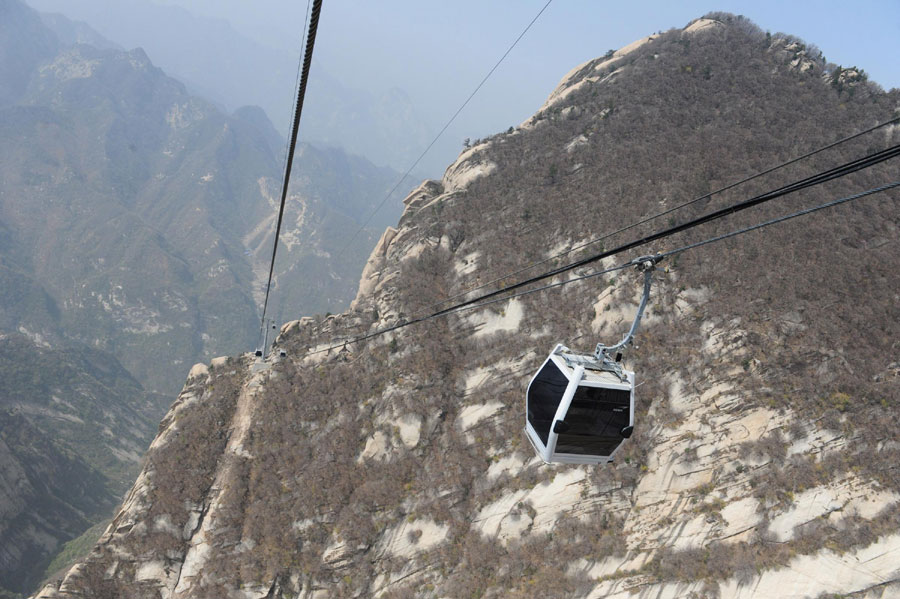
(580, 407)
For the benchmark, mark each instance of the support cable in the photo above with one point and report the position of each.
(287, 141)
(829, 175)
(441, 132)
(298, 110)
(483, 304)
(653, 217)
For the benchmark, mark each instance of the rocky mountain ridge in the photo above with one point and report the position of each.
(222, 65)
(763, 460)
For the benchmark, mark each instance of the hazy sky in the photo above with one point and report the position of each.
(438, 51)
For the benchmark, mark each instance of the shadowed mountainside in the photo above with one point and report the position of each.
(73, 428)
(135, 228)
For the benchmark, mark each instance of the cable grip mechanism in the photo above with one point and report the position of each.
(645, 264)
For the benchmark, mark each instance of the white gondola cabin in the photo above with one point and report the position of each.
(578, 409)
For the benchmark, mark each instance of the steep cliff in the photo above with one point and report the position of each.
(764, 461)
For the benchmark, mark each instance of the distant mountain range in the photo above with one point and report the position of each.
(219, 63)
(145, 215)
(74, 425)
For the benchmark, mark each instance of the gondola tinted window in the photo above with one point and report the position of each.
(595, 421)
(544, 395)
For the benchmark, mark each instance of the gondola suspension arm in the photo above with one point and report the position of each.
(646, 264)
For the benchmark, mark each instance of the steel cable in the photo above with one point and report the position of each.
(441, 132)
(653, 217)
(487, 302)
(298, 110)
(831, 174)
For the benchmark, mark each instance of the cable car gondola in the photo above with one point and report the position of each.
(580, 407)
(578, 412)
